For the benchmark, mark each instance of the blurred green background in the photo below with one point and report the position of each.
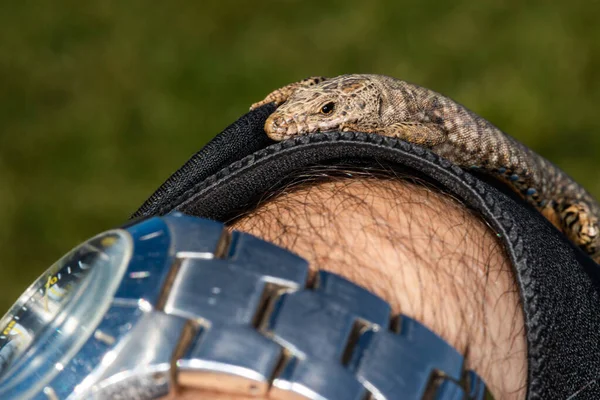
(101, 100)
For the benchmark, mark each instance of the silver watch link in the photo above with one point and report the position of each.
(182, 302)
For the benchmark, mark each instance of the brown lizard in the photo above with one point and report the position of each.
(391, 107)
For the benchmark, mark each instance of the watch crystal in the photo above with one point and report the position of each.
(42, 309)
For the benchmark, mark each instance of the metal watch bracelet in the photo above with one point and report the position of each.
(235, 314)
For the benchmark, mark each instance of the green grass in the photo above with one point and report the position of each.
(101, 100)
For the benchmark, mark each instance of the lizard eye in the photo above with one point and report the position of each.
(328, 108)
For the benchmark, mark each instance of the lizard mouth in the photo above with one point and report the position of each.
(279, 127)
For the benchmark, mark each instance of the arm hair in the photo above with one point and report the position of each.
(420, 249)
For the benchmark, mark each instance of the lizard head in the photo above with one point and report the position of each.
(337, 104)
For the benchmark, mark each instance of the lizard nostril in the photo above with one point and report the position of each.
(274, 120)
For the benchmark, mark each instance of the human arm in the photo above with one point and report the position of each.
(420, 250)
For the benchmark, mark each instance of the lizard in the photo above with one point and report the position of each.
(391, 107)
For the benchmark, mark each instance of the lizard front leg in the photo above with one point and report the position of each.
(423, 134)
(279, 96)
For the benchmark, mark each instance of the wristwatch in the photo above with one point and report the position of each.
(182, 302)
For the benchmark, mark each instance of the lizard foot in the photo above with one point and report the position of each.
(582, 228)
(279, 96)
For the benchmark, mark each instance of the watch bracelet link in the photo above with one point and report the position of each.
(247, 320)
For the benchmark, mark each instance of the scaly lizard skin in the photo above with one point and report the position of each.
(391, 107)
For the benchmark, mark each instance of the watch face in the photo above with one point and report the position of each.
(50, 300)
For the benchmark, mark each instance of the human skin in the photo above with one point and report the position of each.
(419, 249)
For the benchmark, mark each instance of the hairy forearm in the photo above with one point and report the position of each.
(422, 251)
